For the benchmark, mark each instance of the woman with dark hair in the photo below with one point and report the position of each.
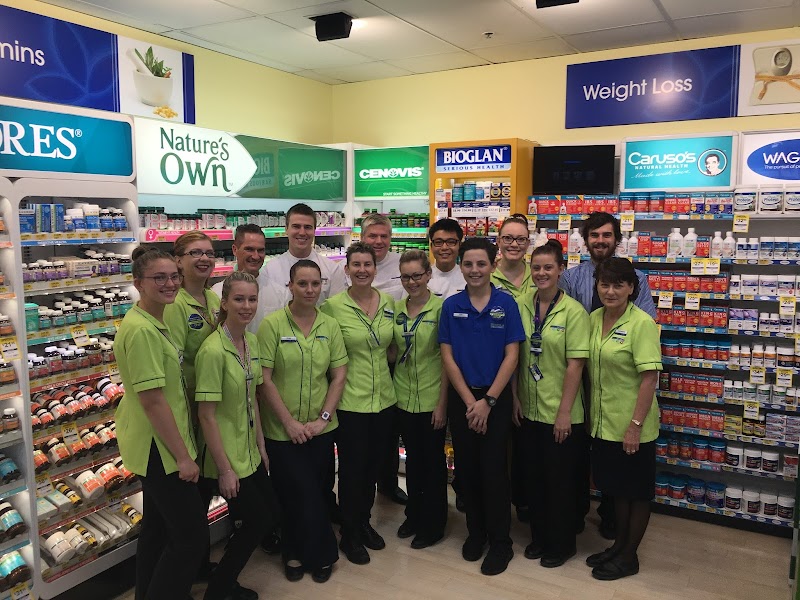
(305, 367)
(548, 406)
(624, 360)
(366, 412)
(233, 460)
(156, 437)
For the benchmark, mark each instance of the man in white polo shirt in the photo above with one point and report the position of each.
(445, 236)
(300, 225)
(376, 230)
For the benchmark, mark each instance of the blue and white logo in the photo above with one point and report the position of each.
(779, 160)
(473, 159)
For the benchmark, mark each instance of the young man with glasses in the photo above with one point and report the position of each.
(445, 238)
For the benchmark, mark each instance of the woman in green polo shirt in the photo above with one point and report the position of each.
(232, 458)
(366, 411)
(624, 360)
(420, 385)
(548, 406)
(301, 349)
(156, 438)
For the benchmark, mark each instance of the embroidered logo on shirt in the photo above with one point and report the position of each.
(497, 313)
(195, 321)
(401, 318)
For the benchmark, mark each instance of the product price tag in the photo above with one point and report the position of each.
(44, 485)
(758, 375)
(692, 301)
(113, 373)
(751, 409)
(741, 223)
(114, 502)
(783, 377)
(626, 221)
(564, 222)
(9, 348)
(698, 266)
(70, 433)
(573, 260)
(788, 305)
(531, 222)
(79, 335)
(665, 299)
(117, 323)
(21, 591)
(712, 266)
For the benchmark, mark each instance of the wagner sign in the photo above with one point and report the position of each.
(770, 158)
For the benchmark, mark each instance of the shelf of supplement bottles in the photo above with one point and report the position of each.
(56, 334)
(72, 377)
(766, 369)
(74, 514)
(9, 391)
(719, 468)
(764, 334)
(684, 329)
(728, 436)
(6, 293)
(226, 235)
(42, 288)
(712, 399)
(86, 422)
(718, 365)
(12, 488)
(402, 232)
(648, 216)
(21, 591)
(672, 260)
(701, 295)
(725, 512)
(764, 261)
(9, 438)
(81, 560)
(726, 331)
(97, 460)
(62, 239)
(758, 297)
(14, 544)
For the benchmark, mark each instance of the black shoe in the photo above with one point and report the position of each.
(608, 530)
(335, 514)
(205, 571)
(616, 569)
(242, 593)
(473, 548)
(551, 562)
(425, 541)
(322, 574)
(595, 560)
(496, 560)
(533, 551)
(523, 514)
(371, 538)
(406, 530)
(293, 573)
(460, 506)
(397, 495)
(271, 544)
(355, 552)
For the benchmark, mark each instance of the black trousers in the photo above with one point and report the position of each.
(330, 476)
(518, 492)
(552, 478)
(300, 474)
(426, 473)
(390, 459)
(483, 467)
(361, 439)
(253, 512)
(174, 536)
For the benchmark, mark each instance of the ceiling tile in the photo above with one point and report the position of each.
(593, 15)
(268, 7)
(299, 18)
(109, 15)
(439, 62)
(319, 77)
(463, 22)
(387, 37)
(367, 72)
(277, 42)
(526, 51)
(682, 9)
(739, 22)
(176, 14)
(254, 58)
(621, 37)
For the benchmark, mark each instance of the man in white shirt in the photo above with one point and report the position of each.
(300, 225)
(376, 230)
(445, 236)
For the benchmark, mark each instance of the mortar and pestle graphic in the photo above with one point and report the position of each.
(152, 90)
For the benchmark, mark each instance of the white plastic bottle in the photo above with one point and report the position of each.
(541, 238)
(689, 248)
(674, 243)
(622, 247)
(633, 244)
(717, 245)
(575, 242)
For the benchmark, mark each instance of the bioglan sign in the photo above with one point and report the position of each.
(770, 158)
(473, 159)
(388, 172)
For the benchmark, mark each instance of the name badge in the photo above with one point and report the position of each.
(404, 358)
(288, 338)
(621, 332)
(536, 373)
(388, 313)
(461, 315)
(557, 327)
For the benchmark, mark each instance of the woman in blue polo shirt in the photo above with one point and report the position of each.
(624, 360)
(479, 332)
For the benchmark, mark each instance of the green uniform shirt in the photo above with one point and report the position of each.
(369, 387)
(300, 367)
(221, 378)
(565, 334)
(615, 363)
(190, 324)
(148, 359)
(500, 281)
(418, 377)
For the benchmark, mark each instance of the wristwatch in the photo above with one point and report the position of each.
(637, 423)
(490, 400)
(325, 416)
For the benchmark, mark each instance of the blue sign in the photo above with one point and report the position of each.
(678, 86)
(37, 140)
(473, 159)
(680, 163)
(779, 160)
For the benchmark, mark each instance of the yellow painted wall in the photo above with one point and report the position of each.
(232, 94)
(523, 99)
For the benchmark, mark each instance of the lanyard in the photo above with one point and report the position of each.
(247, 366)
(410, 334)
(368, 325)
(206, 316)
(537, 324)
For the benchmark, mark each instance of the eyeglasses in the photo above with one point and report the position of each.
(197, 253)
(450, 243)
(510, 239)
(414, 276)
(161, 279)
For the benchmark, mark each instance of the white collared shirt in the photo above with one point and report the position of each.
(446, 283)
(333, 280)
(387, 279)
(271, 297)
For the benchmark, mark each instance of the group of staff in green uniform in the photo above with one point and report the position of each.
(210, 408)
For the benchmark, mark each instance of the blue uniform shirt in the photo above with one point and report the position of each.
(578, 282)
(479, 339)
